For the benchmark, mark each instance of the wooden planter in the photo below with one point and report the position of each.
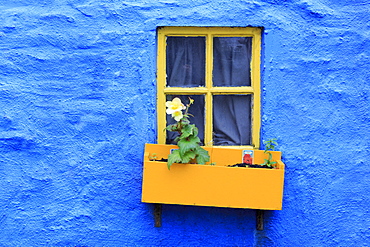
(216, 186)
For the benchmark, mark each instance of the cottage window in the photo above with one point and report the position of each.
(219, 67)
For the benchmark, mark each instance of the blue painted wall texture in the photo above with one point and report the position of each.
(78, 102)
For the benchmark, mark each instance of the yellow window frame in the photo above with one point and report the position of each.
(208, 91)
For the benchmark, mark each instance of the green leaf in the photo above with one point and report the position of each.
(173, 157)
(185, 120)
(265, 162)
(172, 127)
(186, 131)
(188, 144)
(177, 138)
(187, 157)
(270, 144)
(202, 155)
(195, 130)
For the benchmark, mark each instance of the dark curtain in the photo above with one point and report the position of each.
(185, 61)
(231, 120)
(231, 61)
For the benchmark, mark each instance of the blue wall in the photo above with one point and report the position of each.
(77, 104)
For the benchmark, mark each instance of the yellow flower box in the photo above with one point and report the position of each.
(217, 185)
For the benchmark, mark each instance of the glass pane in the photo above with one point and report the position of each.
(185, 61)
(231, 61)
(196, 109)
(232, 120)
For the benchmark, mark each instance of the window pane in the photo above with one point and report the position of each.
(231, 61)
(232, 120)
(196, 109)
(185, 61)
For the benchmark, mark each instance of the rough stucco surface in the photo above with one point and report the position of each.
(77, 104)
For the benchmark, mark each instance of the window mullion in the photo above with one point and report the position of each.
(232, 90)
(185, 90)
(208, 100)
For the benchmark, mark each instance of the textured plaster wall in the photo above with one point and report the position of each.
(77, 104)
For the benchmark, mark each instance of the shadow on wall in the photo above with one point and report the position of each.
(207, 225)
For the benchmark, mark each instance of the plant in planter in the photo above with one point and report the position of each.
(269, 146)
(268, 162)
(188, 141)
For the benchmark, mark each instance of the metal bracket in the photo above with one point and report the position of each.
(259, 219)
(158, 215)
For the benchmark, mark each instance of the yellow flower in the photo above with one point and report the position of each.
(174, 106)
(177, 115)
